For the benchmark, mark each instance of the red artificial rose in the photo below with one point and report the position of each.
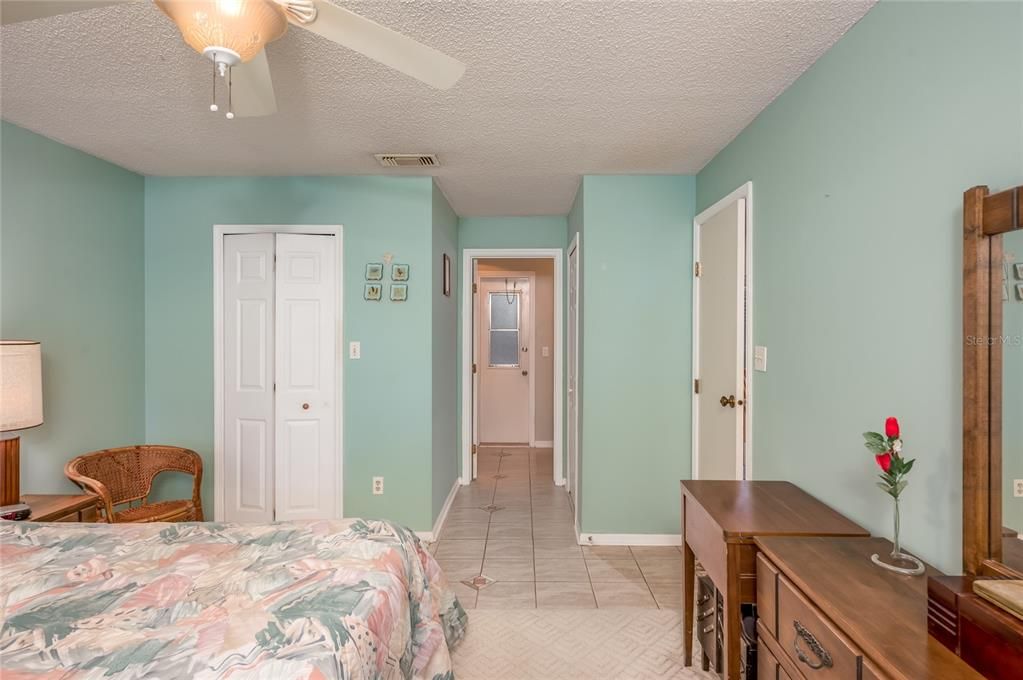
(884, 459)
(891, 428)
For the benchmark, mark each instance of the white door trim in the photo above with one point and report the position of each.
(219, 232)
(574, 246)
(531, 277)
(468, 255)
(744, 458)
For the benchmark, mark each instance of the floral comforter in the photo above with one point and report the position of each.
(351, 599)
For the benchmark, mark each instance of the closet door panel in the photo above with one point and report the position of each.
(248, 377)
(307, 467)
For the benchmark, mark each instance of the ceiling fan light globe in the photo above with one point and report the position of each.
(242, 27)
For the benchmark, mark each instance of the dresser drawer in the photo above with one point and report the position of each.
(767, 594)
(816, 647)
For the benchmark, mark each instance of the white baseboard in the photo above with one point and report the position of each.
(629, 539)
(542, 444)
(431, 536)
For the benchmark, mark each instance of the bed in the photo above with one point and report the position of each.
(351, 599)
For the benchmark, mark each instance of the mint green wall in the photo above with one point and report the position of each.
(500, 232)
(858, 171)
(511, 232)
(637, 328)
(388, 422)
(1012, 401)
(71, 276)
(445, 343)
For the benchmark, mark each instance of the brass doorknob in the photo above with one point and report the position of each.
(730, 400)
(525, 372)
(305, 407)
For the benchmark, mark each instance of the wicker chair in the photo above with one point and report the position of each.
(125, 476)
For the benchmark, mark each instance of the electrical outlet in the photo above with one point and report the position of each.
(1017, 488)
(378, 486)
(355, 350)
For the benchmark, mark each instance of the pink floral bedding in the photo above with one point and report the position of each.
(351, 599)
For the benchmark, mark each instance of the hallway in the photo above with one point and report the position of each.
(512, 532)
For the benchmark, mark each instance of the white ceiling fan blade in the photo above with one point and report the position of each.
(252, 90)
(13, 11)
(380, 43)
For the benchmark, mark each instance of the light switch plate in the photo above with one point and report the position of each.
(1017, 488)
(355, 350)
(760, 358)
(545, 351)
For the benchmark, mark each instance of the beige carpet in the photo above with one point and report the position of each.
(577, 644)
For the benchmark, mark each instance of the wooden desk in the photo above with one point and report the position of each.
(61, 507)
(719, 522)
(862, 616)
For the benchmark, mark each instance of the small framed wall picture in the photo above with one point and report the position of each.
(374, 271)
(446, 275)
(373, 291)
(1018, 268)
(399, 292)
(399, 272)
(1019, 291)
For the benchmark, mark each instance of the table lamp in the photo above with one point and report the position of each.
(21, 407)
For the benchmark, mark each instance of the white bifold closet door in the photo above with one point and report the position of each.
(280, 378)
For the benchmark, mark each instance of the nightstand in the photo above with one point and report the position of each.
(61, 507)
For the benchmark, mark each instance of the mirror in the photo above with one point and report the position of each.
(1012, 400)
(992, 381)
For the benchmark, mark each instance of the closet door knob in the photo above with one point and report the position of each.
(305, 407)
(730, 400)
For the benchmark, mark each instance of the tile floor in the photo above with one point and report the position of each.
(528, 547)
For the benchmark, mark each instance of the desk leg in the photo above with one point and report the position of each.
(688, 603)
(733, 620)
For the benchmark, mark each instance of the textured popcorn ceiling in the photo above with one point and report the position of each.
(554, 89)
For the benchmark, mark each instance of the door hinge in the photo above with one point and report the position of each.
(474, 368)
(696, 386)
(474, 449)
(697, 269)
(275, 262)
(475, 288)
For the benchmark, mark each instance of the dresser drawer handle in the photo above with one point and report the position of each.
(704, 599)
(708, 629)
(705, 614)
(823, 658)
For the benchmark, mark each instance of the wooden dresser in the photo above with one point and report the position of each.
(826, 611)
(720, 520)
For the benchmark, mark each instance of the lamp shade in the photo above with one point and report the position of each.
(21, 385)
(242, 26)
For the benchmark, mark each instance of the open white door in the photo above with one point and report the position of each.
(720, 342)
(572, 478)
(248, 306)
(504, 385)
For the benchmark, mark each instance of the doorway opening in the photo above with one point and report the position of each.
(512, 354)
(723, 353)
(277, 371)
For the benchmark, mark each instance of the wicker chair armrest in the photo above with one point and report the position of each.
(93, 486)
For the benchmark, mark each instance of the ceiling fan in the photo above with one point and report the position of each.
(233, 34)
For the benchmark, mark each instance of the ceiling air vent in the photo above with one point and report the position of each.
(407, 160)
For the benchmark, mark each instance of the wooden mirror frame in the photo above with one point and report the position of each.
(986, 217)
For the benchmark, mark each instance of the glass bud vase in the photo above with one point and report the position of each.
(898, 561)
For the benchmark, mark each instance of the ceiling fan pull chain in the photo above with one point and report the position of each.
(230, 105)
(213, 106)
